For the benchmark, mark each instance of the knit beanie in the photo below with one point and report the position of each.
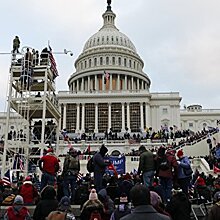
(180, 153)
(93, 195)
(18, 200)
(64, 204)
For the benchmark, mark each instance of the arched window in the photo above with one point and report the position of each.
(103, 39)
(90, 62)
(119, 61)
(85, 64)
(112, 39)
(98, 40)
(95, 62)
(107, 60)
(125, 62)
(113, 60)
(81, 66)
(130, 63)
(101, 61)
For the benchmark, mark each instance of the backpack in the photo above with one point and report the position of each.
(95, 215)
(90, 165)
(164, 163)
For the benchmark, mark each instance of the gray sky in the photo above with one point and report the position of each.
(178, 40)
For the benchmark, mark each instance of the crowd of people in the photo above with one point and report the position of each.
(164, 187)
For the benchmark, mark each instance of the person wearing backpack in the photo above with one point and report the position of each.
(99, 167)
(71, 168)
(167, 171)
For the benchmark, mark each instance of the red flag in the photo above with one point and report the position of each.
(89, 149)
(216, 170)
(53, 65)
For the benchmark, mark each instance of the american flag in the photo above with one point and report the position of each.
(106, 76)
(53, 66)
(6, 179)
(18, 162)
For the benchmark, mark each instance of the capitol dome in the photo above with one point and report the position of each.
(109, 35)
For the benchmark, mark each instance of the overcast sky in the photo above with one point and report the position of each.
(178, 40)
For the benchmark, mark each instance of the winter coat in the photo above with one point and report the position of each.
(214, 213)
(179, 207)
(28, 192)
(50, 163)
(18, 212)
(184, 164)
(89, 206)
(144, 212)
(99, 163)
(172, 171)
(146, 162)
(47, 204)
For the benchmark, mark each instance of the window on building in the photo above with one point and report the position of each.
(113, 60)
(125, 62)
(90, 62)
(101, 61)
(130, 63)
(191, 124)
(85, 64)
(164, 110)
(95, 62)
(107, 60)
(89, 117)
(103, 117)
(119, 61)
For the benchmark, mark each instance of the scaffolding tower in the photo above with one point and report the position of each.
(31, 97)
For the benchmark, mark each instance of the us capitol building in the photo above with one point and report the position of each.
(110, 90)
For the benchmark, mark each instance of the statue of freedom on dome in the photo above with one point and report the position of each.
(109, 2)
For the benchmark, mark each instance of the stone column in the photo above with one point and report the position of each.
(132, 83)
(77, 117)
(103, 82)
(96, 118)
(126, 82)
(110, 82)
(88, 83)
(64, 115)
(118, 82)
(142, 116)
(128, 116)
(138, 84)
(109, 116)
(82, 85)
(123, 116)
(77, 85)
(142, 84)
(83, 119)
(147, 115)
(96, 83)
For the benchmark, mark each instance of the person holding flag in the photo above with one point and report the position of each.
(106, 78)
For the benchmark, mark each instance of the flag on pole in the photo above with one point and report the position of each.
(18, 162)
(111, 167)
(106, 77)
(6, 179)
(53, 65)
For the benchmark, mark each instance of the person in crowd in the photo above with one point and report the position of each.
(99, 167)
(122, 209)
(17, 211)
(28, 58)
(28, 191)
(157, 203)
(37, 57)
(49, 165)
(16, 44)
(184, 172)
(92, 206)
(107, 202)
(140, 197)
(146, 165)
(214, 213)
(179, 206)
(71, 168)
(165, 164)
(63, 212)
(47, 203)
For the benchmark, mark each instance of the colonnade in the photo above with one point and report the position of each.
(143, 121)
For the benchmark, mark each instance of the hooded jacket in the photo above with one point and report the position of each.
(28, 192)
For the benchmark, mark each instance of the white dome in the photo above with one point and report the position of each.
(109, 36)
